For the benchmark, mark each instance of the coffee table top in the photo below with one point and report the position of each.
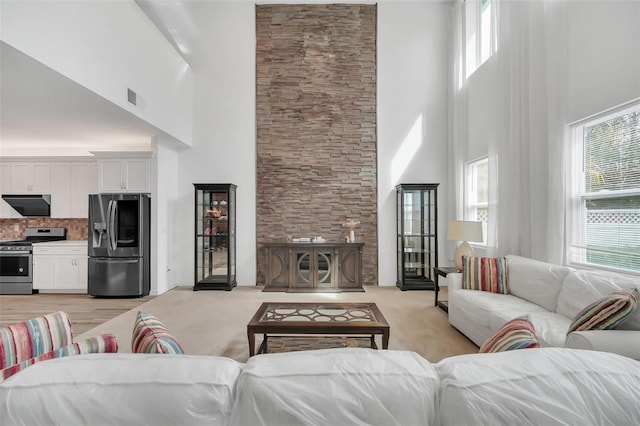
(318, 315)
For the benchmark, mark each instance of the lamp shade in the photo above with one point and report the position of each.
(464, 230)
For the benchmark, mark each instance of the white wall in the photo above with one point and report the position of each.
(164, 190)
(603, 67)
(412, 122)
(412, 113)
(604, 59)
(107, 47)
(224, 143)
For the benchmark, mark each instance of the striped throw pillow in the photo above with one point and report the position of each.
(485, 274)
(150, 336)
(515, 334)
(606, 312)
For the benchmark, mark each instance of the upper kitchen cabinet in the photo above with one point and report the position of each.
(69, 181)
(124, 175)
(5, 188)
(71, 184)
(23, 177)
(30, 178)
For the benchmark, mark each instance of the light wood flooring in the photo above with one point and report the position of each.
(86, 312)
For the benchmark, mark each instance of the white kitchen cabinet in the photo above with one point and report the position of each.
(83, 183)
(60, 266)
(60, 190)
(70, 272)
(5, 176)
(71, 184)
(42, 271)
(6, 211)
(124, 175)
(30, 177)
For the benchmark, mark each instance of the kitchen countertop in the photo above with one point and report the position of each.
(63, 243)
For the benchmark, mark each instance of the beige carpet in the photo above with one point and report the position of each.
(215, 322)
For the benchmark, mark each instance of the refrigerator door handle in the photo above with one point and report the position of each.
(115, 228)
(108, 227)
(112, 225)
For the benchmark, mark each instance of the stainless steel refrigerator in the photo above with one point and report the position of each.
(119, 250)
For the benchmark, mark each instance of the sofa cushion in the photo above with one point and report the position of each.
(492, 310)
(485, 274)
(517, 333)
(337, 387)
(29, 339)
(119, 389)
(152, 337)
(539, 386)
(551, 328)
(535, 281)
(583, 287)
(606, 312)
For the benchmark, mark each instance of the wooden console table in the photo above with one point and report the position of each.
(313, 267)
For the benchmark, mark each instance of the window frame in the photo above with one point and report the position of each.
(470, 195)
(473, 30)
(576, 250)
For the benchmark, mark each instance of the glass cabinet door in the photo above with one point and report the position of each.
(417, 242)
(303, 268)
(214, 237)
(314, 268)
(324, 267)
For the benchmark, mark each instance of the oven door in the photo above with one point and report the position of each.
(16, 267)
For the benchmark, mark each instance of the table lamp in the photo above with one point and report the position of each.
(465, 231)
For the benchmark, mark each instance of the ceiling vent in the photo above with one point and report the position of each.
(132, 97)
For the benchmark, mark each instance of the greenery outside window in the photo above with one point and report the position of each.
(606, 203)
(477, 193)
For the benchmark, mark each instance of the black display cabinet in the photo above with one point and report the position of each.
(417, 235)
(215, 236)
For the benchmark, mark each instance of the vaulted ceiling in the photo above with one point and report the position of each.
(44, 113)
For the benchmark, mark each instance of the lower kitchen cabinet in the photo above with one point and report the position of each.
(61, 267)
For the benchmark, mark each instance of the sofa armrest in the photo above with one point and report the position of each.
(104, 343)
(35, 337)
(621, 342)
(454, 281)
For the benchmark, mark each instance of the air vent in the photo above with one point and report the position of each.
(132, 97)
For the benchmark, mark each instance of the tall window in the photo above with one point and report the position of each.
(477, 193)
(606, 228)
(479, 33)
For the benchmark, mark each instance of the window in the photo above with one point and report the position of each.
(477, 193)
(479, 33)
(606, 220)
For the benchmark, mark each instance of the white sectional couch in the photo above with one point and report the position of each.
(344, 387)
(551, 295)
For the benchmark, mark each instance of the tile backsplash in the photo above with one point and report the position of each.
(13, 229)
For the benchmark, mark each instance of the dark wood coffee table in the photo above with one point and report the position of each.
(274, 318)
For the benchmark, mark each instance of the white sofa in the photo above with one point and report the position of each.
(551, 295)
(328, 387)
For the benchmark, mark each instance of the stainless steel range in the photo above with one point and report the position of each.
(16, 265)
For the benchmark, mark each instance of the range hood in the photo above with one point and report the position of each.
(30, 205)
